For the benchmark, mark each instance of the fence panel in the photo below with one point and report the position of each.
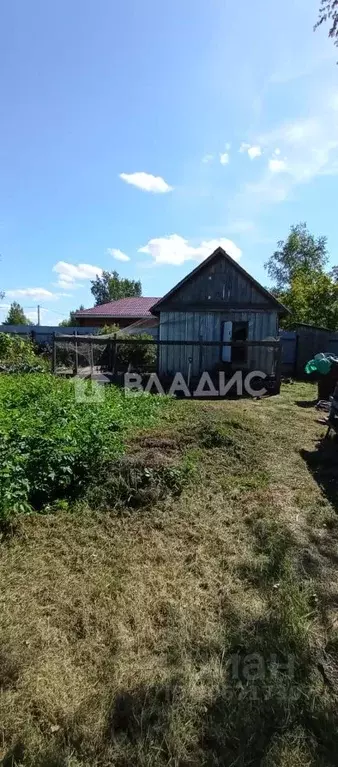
(45, 333)
(109, 357)
(288, 339)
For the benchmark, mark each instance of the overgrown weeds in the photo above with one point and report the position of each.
(53, 443)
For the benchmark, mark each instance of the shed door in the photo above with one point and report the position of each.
(227, 336)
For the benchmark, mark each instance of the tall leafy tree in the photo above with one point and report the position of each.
(110, 287)
(312, 298)
(16, 316)
(301, 251)
(328, 12)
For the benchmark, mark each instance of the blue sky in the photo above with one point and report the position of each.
(137, 136)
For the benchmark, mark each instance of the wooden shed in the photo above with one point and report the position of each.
(217, 302)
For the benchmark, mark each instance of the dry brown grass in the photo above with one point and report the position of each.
(116, 629)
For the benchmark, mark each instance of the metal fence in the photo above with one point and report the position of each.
(45, 333)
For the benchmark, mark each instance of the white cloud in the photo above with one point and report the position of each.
(207, 158)
(69, 275)
(276, 166)
(39, 294)
(224, 158)
(147, 182)
(310, 145)
(254, 151)
(118, 254)
(174, 249)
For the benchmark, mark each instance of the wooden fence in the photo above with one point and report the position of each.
(302, 344)
(92, 356)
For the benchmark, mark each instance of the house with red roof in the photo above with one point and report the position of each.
(123, 312)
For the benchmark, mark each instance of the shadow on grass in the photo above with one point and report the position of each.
(323, 465)
(304, 403)
(270, 704)
(266, 710)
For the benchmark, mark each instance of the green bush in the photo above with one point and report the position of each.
(18, 355)
(135, 354)
(52, 445)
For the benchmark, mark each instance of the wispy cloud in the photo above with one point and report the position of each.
(39, 294)
(277, 166)
(176, 250)
(252, 151)
(300, 151)
(224, 158)
(71, 275)
(240, 226)
(118, 254)
(207, 158)
(147, 182)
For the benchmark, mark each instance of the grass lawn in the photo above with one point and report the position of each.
(200, 628)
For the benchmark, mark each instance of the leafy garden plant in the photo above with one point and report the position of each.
(51, 445)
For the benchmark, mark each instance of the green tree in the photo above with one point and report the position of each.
(311, 298)
(16, 316)
(301, 251)
(72, 321)
(110, 287)
(328, 11)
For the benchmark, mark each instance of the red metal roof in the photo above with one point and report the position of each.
(124, 307)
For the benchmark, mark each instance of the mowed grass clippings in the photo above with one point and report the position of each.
(197, 629)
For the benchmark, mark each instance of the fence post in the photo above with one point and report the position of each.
(91, 357)
(114, 354)
(54, 354)
(278, 368)
(76, 369)
(295, 364)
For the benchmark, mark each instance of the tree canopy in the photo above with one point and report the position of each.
(328, 11)
(110, 287)
(312, 298)
(16, 316)
(301, 283)
(301, 251)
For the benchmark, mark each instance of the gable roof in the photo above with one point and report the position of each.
(220, 252)
(124, 308)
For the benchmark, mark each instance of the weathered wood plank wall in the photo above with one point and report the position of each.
(207, 326)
